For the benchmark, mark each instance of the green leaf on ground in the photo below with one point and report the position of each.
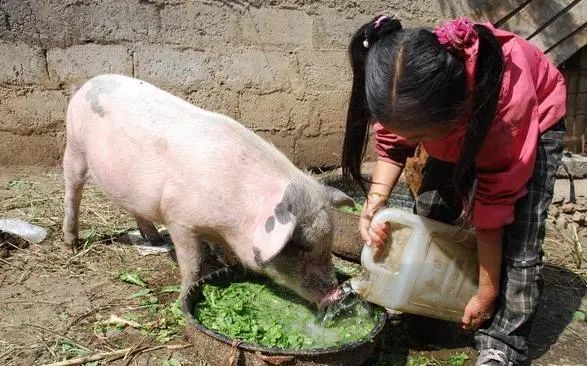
(172, 362)
(418, 361)
(16, 183)
(456, 360)
(171, 288)
(140, 293)
(132, 278)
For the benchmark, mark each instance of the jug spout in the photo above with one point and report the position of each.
(360, 286)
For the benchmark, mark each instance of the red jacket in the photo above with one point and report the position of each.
(532, 99)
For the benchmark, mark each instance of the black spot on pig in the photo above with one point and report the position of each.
(296, 201)
(270, 224)
(98, 87)
(283, 212)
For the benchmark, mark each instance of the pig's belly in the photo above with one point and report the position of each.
(130, 174)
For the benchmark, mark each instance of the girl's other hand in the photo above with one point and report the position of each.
(370, 233)
(479, 309)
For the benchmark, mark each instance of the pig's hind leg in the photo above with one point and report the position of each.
(188, 248)
(75, 170)
(149, 231)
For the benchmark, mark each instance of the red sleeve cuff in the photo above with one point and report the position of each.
(487, 216)
(388, 159)
(392, 148)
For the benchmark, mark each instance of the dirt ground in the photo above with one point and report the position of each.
(108, 298)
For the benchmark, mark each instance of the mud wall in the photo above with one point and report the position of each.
(277, 66)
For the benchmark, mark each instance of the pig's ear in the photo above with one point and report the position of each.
(338, 198)
(272, 236)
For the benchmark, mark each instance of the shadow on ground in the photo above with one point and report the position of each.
(563, 295)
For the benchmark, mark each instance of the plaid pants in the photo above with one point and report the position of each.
(521, 278)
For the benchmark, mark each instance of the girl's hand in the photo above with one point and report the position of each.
(489, 251)
(479, 309)
(370, 233)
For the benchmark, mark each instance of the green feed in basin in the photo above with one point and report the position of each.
(262, 313)
(356, 209)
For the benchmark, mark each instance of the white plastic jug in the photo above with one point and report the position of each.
(427, 267)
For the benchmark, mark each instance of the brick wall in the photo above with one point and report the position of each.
(278, 66)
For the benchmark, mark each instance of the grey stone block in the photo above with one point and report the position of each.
(21, 64)
(271, 112)
(577, 165)
(57, 23)
(325, 69)
(198, 25)
(79, 63)
(333, 28)
(32, 111)
(172, 68)
(281, 27)
(263, 70)
(38, 150)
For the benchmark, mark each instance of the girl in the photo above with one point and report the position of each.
(488, 108)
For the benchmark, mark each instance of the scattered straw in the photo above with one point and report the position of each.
(116, 355)
(41, 203)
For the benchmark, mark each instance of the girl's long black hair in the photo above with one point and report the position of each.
(407, 79)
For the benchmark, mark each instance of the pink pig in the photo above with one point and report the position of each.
(205, 177)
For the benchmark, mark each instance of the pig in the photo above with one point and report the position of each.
(204, 176)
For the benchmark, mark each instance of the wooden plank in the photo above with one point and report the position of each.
(571, 125)
(580, 125)
(493, 11)
(573, 139)
(534, 15)
(562, 27)
(567, 48)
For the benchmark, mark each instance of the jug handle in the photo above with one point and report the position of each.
(397, 216)
(386, 215)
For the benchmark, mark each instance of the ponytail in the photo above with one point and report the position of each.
(358, 116)
(488, 77)
(357, 122)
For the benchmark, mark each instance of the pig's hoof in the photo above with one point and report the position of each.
(72, 244)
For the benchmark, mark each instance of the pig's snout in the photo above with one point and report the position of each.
(334, 295)
(319, 282)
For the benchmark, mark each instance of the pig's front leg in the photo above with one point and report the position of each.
(149, 231)
(188, 248)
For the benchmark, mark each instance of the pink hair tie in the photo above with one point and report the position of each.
(457, 34)
(380, 20)
(377, 22)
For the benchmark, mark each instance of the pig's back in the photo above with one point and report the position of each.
(142, 143)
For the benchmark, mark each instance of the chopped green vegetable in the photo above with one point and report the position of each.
(356, 209)
(140, 293)
(268, 315)
(580, 315)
